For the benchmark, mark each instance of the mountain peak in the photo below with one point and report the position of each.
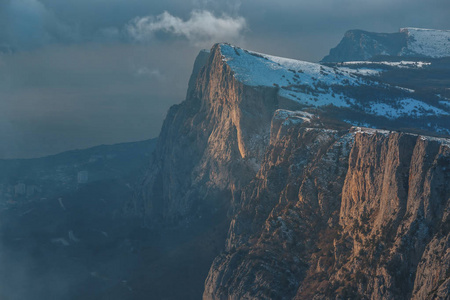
(408, 42)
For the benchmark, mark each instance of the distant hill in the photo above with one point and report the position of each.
(408, 42)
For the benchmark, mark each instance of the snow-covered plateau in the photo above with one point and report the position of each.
(315, 85)
(427, 42)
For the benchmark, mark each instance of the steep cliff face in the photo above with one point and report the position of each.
(293, 197)
(338, 214)
(209, 145)
(393, 207)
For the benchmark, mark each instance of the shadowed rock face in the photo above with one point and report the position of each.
(317, 210)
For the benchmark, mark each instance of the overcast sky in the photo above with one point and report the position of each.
(79, 73)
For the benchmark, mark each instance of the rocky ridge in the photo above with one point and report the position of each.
(408, 42)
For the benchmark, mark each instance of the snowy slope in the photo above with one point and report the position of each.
(405, 107)
(404, 64)
(315, 85)
(427, 42)
(296, 79)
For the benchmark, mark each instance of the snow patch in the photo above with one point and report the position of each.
(405, 107)
(358, 124)
(400, 64)
(370, 130)
(442, 141)
(292, 117)
(362, 71)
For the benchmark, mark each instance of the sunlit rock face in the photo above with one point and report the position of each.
(334, 213)
(210, 144)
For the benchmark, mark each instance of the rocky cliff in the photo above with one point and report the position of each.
(341, 214)
(209, 146)
(316, 208)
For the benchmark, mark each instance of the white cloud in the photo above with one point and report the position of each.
(201, 28)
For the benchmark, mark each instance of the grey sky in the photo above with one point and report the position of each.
(79, 73)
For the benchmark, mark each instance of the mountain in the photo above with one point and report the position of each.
(214, 142)
(408, 42)
(317, 206)
(274, 179)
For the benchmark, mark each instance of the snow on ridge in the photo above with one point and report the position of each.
(405, 107)
(284, 113)
(359, 129)
(292, 77)
(371, 131)
(427, 42)
(421, 29)
(245, 61)
(310, 84)
(362, 71)
(442, 141)
(290, 117)
(404, 64)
